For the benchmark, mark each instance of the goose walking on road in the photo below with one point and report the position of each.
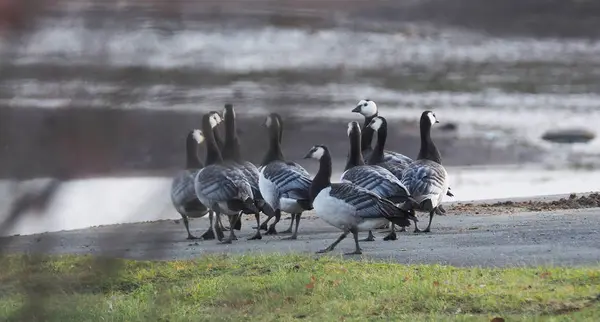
(284, 185)
(347, 206)
(426, 178)
(371, 177)
(183, 194)
(233, 157)
(380, 125)
(223, 188)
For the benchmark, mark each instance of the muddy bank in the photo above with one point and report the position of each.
(69, 143)
(573, 201)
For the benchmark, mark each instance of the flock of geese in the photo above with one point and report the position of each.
(377, 188)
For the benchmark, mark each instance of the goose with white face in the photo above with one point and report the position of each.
(316, 152)
(432, 118)
(198, 136)
(353, 126)
(215, 119)
(366, 107)
(268, 121)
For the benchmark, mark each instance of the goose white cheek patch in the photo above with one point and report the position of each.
(432, 118)
(213, 121)
(349, 128)
(197, 134)
(318, 153)
(268, 121)
(370, 109)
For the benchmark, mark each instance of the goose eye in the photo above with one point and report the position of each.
(365, 104)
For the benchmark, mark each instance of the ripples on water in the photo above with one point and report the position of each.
(519, 87)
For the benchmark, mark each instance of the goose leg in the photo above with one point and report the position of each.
(219, 227)
(236, 222)
(356, 251)
(428, 229)
(289, 230)
(257, 235)
(220, 223)
(369, 238)
(392, 235)
(272, 230)
(209, 234)
(186, 223)
(295, 234)
(332, 246)
(232, 220)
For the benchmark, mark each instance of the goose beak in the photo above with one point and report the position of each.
(308, 155)
(356, 109)
(437, 121)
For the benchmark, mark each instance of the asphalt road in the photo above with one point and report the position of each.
(565, 237)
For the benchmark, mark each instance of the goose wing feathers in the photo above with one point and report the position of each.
(182, 187)
(291, 181)
(367, 204)
(396, 169)
(298, 167)
(376, 179)
(391, 156)
(425, 179)
(218, 183)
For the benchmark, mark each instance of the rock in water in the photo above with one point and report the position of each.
(569, 136)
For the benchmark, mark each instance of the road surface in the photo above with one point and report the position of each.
(559, 237)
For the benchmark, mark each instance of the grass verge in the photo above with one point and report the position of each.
(285, 288)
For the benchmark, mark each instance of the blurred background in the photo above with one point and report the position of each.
(96, 97)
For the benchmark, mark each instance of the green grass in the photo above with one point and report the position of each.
(285, 288)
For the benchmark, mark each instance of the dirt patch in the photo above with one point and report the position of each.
(572, 202)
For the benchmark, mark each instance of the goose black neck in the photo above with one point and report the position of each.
(191, 153)
(274, 153)
(367, 134)
(213, 154)
(231, 150)
(322, 179)
(428, 149)
(218, 139)
(377, 155)
(355, 158)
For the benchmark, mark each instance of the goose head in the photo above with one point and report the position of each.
(272, 120)
(353, 129)
(366, 107)
(316, 152)
(197, 135)
(428, 118)
(216, 115)
(377, 123)
(228, 110)
(214, 119)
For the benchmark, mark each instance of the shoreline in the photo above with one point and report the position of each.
(90, 202)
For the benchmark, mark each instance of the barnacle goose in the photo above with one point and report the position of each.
(221, 187)
(264, 225)
(183, 195)
(371, 177)
(284, 185)
(368, 109)
(426, 178)
(379, 124)
(347, 206)
(233, 157)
